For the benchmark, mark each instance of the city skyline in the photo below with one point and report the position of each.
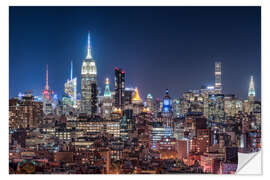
(156, 91)
(137, 76)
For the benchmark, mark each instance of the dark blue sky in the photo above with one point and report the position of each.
(158, 47)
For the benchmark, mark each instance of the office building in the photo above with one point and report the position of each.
(218, 82)
(89, 83)
(107, 101)
(119, 96)
(71, 88)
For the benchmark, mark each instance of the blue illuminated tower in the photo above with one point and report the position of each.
(167, 109)
(167, 103)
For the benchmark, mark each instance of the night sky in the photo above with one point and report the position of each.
(158, 47)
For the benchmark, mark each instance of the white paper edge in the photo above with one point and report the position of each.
(249, 163)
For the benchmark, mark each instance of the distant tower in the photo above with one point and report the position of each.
(89, 83)
(107, 92)
(71, 71)
(149, 102)
(71, 88)
(176, 107)
(107, 101)
(251, 90)
(47, 78)
(128, 97)
(136, 99)
(119, 88)
(47, 96)
(167, 109)
(218, 84)
(137, 103)
(167, 103)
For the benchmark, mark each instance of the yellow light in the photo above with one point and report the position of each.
(136, 97)
(107, 81)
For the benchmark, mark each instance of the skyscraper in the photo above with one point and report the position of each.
(128, 97)
(251, 90)
(136, 99)
(88, 83)
(167, 103)
(137, 103)
(47, 96)
(149, 102)
(176, 107)
(119, 88)
(71, 88)
(107, 101)
(107, 92)
(251, 96)
(205, 91)
(167, 109)
(218, 84)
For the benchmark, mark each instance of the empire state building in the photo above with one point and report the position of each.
(89, 83)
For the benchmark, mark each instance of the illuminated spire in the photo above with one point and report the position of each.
(251, 90)
(47, 78)
(149, 96)
(71, 71)
(136, 98)
(218, 83)
(89, 55)
(107, 92)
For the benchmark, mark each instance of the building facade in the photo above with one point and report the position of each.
(89, 83)
(107, 101)
(218, 83)
(71, 88)
(119, 96)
